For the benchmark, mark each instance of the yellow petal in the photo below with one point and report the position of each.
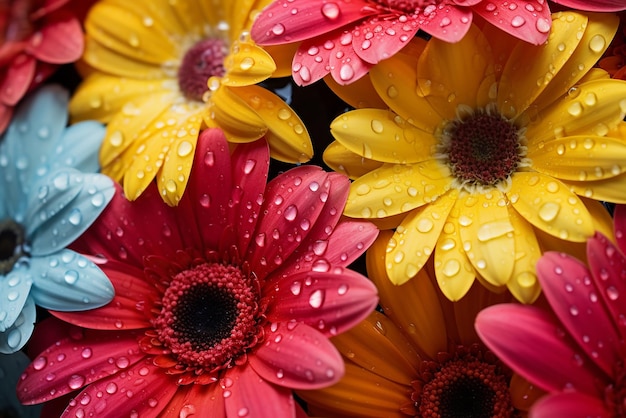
(393, 189)
(101, 97)
(523, 283)
(592, 108)
(359, 94)
(487, 235)
(382, 135)
(549, 205)
(237, 119)
(287, 136)
(282, 56)
(608, 190)
(414, 306)
(455, 274)
(530, 68)
(451, 74)
(247, 64)
(344, 161)
(580, 158)
(602, 220)
(415, 238)
(600, 29)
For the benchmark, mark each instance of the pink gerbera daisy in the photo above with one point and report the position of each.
(576, 354)
(223, 303)
(346, 37)
(36, 36)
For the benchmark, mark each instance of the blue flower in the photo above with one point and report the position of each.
(49, 195)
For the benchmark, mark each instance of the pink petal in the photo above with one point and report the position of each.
(280, 25)
(250, 163)
(293, 202)
(348, 67)
(143, 390)
(377, 39)
(619, 226)
(245, 394)
(60, 40)
(573, 296)
(312, 59)
(127, 231)
(203, 212)
(570, 405)
(72, 363)
(297, 356)
(608, 267)
(130, 306)
(328, 301)
(17, 79)
(530, 21)
(531, 342)
(594, 5)
(193, 399)
(448, 23)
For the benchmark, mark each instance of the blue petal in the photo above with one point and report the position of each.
(19, 333)
(65, 205)
(68, 281)
(14, 290)
(79, 147)
(11, 368)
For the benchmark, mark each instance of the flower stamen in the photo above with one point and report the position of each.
(11, 244)
(202, 61)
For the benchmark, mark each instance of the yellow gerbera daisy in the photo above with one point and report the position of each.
(492, 150)
(421, 358)
(160, 71)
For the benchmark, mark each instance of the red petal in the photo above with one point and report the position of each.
(129, 308)
(72, 363)
(530, 21)
(247, 394)
(531, 342)
(194, 399)
(17, 79)
(297, 356)
(348, 67)
(312, 59)
(570, 405)
(448, 23)
(594, 5)
(143, 390)
(608, 267)
(6, 114)
(569, 288)
(293, 202)
(619, 226)
(278, 24)
(60, 40)
(377, 39)
(330, 302)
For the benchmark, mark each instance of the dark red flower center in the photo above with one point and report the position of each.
(210, 316)
(483, 149)
(11, 244)
(202, 61)
(466, 385)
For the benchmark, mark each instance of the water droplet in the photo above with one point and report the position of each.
(331, 10)
(40, 363)
(543, 25)
(122, 362)
(76, 381)
(75, 217)
(71, 276)
(291, 212)
(597, 43)
(549, 211)
(184, 148)
(575, 109)
(317, 298)
(116, 138)
(319, 247)
(612, 292)
(111, 388)
(517, 21)
(278, 29)
(377, 126)
(573, 310)
(86, 353)
(346, 72)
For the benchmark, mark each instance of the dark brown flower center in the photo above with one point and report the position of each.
(202, 61)
(11, 244)
(465, 386)
(482, 149)
(209, 316)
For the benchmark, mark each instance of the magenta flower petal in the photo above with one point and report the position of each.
(574, 297)
(17, 79)
(594, 5)
(143, 383)
(619, 226)
(192, 399)
(450, 23)
(530, 21)
(570, 405)
(282, 361)
(255, 397)
(531, 342)
(378, 39)
(72, 363)
(348, 67)
(59, 41)
(315, 297)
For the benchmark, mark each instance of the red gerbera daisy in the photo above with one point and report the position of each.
(576, 354)
(223, 303)
(35, 37)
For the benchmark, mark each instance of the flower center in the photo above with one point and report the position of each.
(11, 244)
(209, 316)
(482, 149)
(202, 61)
(466, 386)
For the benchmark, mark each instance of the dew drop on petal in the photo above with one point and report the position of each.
(517, 21)
(317, 298)
(76, 381)
(71, 276)
(331, 10)
(597, 43)
(291, 212)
